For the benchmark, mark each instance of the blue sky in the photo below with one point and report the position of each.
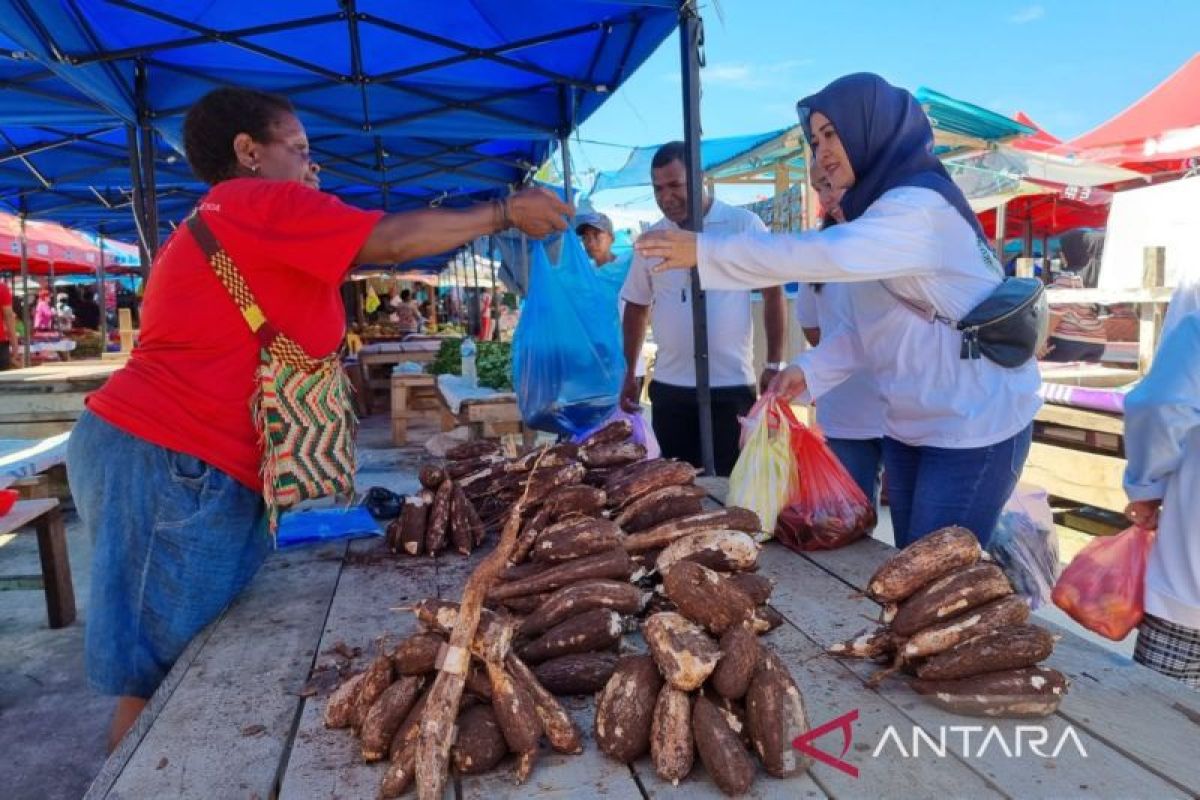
(1069, 64)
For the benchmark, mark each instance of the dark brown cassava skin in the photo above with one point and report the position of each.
(340, 706)
(462, 531)
(671, 742)
(1009, 610)
(406, 734)
(519, 571)
(613, 564)
(613, 454)
(474, 449)
(657, 476)
(740, 654)
(400, 773)
(724, 551)
(867, 643)
(615, 476)
(431, 476)
(575, 499)
(661, 506)
(478, 683)
(950, 596)
(474, 522)
(685, 654)
(576, 674)
(757, 587)
(480, 745)
(593, 630)
(922, 562)
(616, 431)
(707, 597)
(625, 711)
(376, 679)
(384, 718)
(543, 483)
(731, 518)
(1008, 648)
(767, 619)
(721, 750)
(1027, 692)
(619, 596)
(493, 636)
(523, 606)
(517, 717)
(576, 538)
(469, 466)
(734, 712)
(529, 532)
(417, 654)
(561, 731)
(414, 520)
(775, 716)
(439, 519)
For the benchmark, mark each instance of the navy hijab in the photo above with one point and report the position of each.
(888, 140)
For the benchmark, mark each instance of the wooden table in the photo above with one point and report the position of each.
(413, 396)
(47, 399)
(44, 517)
(230, 720)
(489, 416)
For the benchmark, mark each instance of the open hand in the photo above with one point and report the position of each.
(675, 248)
(789, 384)
(538, 212)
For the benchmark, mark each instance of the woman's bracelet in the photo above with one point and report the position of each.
(503, 222)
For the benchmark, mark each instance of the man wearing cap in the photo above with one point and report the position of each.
(596, 232)
(665, 300)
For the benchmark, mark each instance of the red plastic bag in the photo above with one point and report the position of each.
(1102, 588)
(828, 510)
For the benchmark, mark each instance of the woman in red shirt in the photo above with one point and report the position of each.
(164, 465)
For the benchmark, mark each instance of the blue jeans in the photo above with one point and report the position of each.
(863, 459)
(174, 541)
(932, 487)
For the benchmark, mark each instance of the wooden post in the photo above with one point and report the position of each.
(125, 324)
(1001, 229)
(1024, 267)
(781, 187)
(1154, 270)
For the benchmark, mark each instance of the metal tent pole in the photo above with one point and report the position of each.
(101, 297)
(691, 39)
(1001, 229)
(565, 151)
(477, 305)
(25, 287)
(149, 152)
(495, 289)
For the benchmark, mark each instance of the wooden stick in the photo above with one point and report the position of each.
(441, 710)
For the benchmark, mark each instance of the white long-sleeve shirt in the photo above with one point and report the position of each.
(917, 246)
(854, 409)
(1162, 448)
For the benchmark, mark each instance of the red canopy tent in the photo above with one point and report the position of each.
(1039, 141)
(1158, 133)
(48, 247)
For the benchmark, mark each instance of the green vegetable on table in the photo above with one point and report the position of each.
(493, 363)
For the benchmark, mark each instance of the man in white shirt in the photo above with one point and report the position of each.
(665, 300)
(596, 233)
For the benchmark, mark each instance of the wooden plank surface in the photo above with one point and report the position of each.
(829, 613)
(1148, 717)
(328, 763)
(220, 725)
(1087, 478)
(1093, 375)
(24, 512)
(1079, 418)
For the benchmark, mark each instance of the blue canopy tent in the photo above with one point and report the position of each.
(406, 102)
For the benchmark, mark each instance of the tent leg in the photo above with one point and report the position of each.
(691, 32)
(100, 298)
(477, 306)
(25, 318)
(1001, 229)
(565, 150)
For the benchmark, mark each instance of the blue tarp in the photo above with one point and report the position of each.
(636, 169)
(409, 101)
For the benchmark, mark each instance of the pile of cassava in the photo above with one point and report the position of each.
(956, 624)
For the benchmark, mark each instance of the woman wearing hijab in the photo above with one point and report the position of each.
(957, 431)
(1162, 445)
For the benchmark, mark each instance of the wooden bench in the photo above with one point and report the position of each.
(412, 396)
(45, 518)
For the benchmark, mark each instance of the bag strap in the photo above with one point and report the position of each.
(269, 337)
(925, 311)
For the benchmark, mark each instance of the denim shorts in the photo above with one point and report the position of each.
(174, 540)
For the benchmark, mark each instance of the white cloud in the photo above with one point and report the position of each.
(1027, 14)
(746, 75)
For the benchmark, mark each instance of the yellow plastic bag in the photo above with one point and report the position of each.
(372, 302)
(764, 477)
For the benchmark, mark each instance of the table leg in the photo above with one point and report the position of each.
(56, 569)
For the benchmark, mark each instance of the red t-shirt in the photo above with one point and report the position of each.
(188, 383)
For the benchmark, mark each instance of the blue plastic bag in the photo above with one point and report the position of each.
(325, 524)
(566, 355)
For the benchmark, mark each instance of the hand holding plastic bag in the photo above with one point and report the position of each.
(1025, 544)
(764, 476)
(828, 510)
(1102, 588)
(566, 354)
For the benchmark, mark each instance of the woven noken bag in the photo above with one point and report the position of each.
(301, 406)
